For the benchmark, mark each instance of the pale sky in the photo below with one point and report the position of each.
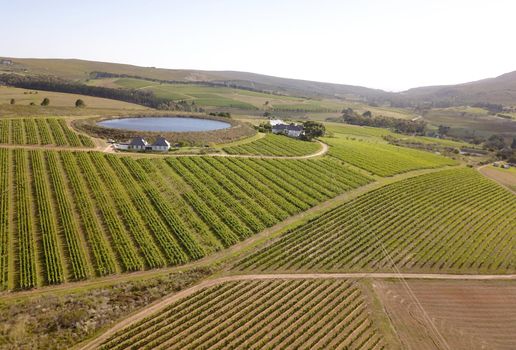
(392, 45)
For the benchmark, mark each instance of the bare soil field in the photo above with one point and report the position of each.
(506, 177)
(457, 314)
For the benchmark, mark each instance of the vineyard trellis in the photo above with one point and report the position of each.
(41, 131)
(267, 314)
(275, 145)
(98, 214)
(451, 220)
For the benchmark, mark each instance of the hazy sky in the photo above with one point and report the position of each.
(386, 44)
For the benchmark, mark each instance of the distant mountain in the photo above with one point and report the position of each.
(499, 90)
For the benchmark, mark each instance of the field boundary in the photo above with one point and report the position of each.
(96, 342)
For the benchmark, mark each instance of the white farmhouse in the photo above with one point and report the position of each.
(291, 130)
(160, 145)
(138, 144)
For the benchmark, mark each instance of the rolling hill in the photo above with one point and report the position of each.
(74, 69)
(498, 90)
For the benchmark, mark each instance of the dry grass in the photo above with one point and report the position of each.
(57, 99)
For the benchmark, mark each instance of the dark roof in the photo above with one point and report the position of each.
(161, 141)
(288, 127)
(138, 141)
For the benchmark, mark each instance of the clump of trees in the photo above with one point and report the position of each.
(221, 114)
(411, 127)
(45, 102)
(312, 130)
(496, 143)
(80, 103)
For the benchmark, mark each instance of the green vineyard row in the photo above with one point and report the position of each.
(448, 221)
(41, 131)
(384, 159)
(275, 145)
(74, 215)
(311, 314)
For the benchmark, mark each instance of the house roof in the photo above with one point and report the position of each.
(138, 141)
(161, 141)
(288, 127)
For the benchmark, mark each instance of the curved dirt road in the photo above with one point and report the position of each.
(109, 149)
(95, 343)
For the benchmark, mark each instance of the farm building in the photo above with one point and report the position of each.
(291, 130)
(161, 145)
(138, 144)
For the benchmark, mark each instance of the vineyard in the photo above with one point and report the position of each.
(275, 145)
(76, 215)
(41, 131)
(447, 221)
(274, 314)
(383, 159)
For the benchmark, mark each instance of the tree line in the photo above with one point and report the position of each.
(411, 127)
(48, 83)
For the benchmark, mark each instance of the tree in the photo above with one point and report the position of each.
(443, 130)
(13, 101)
(367, 114)
(495, 142)
(513, 144)
(45, 102)
(313, 129)
(80, 103)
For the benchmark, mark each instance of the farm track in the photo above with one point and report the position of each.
(107, 149)
(95, 343)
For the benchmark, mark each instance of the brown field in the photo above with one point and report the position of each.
(457, 315)
(506, 177)
(58, 99)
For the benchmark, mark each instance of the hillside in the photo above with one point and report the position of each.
(499, 90)
(74, 69)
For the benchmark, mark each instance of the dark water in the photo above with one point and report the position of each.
(164, 124)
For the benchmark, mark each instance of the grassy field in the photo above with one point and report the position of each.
(275, 145)
(41, 131)
(449, 221)
(58, 99)
(74, 216)
(225, 97)
(320, 314)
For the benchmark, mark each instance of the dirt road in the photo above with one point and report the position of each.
(110, 149)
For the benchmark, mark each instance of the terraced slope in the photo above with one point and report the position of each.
(275, 314)
(384, 159)
(76, 215)
(275, 145)
(448, 221)
(39, 131)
